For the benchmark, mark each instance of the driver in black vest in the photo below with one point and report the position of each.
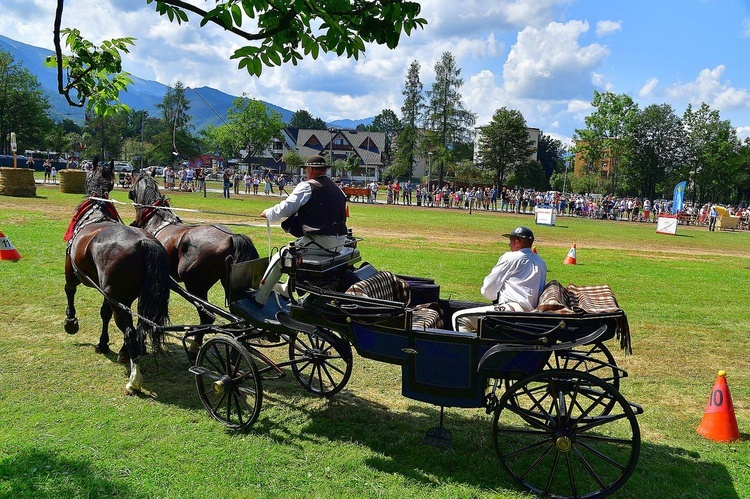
(315, 212)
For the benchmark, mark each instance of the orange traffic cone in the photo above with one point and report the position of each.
(719, 422)
(570, 259)
(7, 251)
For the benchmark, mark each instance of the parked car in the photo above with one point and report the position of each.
(123, 166)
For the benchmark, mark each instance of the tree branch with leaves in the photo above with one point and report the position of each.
(285, 32)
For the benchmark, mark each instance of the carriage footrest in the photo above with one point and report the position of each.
(438, 437)
(199, 370)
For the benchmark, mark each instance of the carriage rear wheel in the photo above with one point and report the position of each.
(228, 383)
(555, 440)
(321, 366)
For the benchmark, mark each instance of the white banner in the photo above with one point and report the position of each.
(545, 216)
(666, 225)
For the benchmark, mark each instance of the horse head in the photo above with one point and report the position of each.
(101, 180)
(144, 192)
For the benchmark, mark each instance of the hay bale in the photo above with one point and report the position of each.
(17, 182)
(72, 181)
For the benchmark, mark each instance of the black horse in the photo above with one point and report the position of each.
(199, 255)
(123, 263)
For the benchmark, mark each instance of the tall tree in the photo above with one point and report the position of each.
(606, 128)
(655, 147)
(550, 153)
(504, 144)
(254, 125)
(285, 32)
(712, 143)
(251, 127)
(408, 136)
(175, 137)
(303, 119)
(24, 109)
(449, 122)
(388, 123)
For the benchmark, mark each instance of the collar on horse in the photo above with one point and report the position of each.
(84, 216)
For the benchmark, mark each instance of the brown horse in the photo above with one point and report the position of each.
(121, 262)
(199, 255)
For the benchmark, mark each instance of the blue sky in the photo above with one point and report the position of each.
(542, 57)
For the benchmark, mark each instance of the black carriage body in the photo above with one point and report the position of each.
(445, 367)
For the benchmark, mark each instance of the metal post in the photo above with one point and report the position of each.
(429, 171)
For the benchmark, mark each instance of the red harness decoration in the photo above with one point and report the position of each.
(108, 210)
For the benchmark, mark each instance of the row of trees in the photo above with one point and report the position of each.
(652, 149)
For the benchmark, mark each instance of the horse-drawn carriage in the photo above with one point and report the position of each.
(560, 425)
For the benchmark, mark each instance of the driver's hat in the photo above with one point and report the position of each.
(521, 233)
(316, 161)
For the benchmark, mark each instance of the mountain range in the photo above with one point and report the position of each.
(208, 106)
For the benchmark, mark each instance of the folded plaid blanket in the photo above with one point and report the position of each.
(585, 299)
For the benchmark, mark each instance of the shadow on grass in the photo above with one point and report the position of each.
(396, 438)
(31, 473)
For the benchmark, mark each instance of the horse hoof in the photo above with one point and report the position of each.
(130, 390)
(71, 326)
(101, 348)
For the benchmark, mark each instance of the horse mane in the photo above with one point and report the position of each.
(152, 199)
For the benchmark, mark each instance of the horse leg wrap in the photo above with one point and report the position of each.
(135, 382)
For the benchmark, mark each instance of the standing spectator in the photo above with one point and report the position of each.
(47, 169)
(646, 210)
(237, 180)
(281, 183)
(200, 176)
(30, 162)
(169, 178)
(374, 191)
(396, 192)
(189, 178)
(256, 183)
(712, 216)
(267, 185)
(226, 181)
(248, 182)
(53, 171)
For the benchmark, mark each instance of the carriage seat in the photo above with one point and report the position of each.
(384, 285)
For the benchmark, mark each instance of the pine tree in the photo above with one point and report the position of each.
(449, 123)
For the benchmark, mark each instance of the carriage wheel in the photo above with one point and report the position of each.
(555, 440)
(595, 359)
(228, 383)
(320, 366)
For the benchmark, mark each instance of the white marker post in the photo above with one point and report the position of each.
(13, 147)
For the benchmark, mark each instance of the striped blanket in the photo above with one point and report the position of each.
(588, 300)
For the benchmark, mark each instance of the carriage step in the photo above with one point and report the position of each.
(199, 370)
(438, 437)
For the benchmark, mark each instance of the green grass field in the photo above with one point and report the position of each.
(67, 429)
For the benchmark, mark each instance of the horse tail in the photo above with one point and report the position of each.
(153, 304)
(244, 249)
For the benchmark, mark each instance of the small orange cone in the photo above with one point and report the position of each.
(347, 211)
(7, 251)
(570, 259)
(533, 249)
(719, 422)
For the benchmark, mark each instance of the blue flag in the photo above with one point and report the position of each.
(679, 195)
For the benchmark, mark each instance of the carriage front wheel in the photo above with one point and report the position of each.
(322, 363)
(554, 439)
(228, 383)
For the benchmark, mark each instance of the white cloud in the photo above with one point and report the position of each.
(549, 63)
(604, 28)
(708, 87)
(648, 88)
